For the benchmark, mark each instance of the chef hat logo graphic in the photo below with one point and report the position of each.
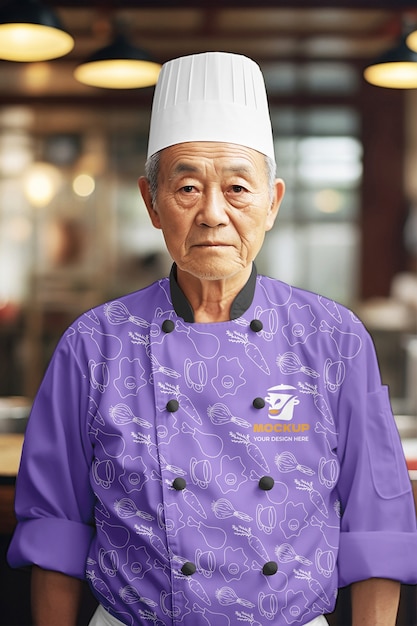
(212, 96)
(281, 400)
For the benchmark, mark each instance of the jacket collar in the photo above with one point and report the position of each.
(240, 304)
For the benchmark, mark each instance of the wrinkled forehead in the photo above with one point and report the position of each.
(200, 158)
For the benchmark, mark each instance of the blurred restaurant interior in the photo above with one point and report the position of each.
(73, 229)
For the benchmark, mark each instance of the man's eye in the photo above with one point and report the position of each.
(237, 188)
(188, 188)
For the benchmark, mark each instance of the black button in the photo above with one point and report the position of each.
(270, 568)
(266, 483)
(188, 569)
(168, 326)
(258, 403)
(179, 483)
(256, 326)
(172, 406)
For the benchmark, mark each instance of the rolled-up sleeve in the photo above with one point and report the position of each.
(378, 525)
(54, 501)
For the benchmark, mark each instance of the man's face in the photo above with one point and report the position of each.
(213, 206)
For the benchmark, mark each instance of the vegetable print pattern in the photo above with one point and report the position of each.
(214, 459)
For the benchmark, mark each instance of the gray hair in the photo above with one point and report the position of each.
(152, 170)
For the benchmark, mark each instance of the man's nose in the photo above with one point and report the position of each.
(213, 209)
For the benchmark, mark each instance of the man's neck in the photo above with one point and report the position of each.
(211, 301)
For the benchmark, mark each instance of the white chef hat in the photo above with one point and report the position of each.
(213, 96)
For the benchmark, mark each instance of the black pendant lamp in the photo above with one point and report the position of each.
(119, 65)
(396, 68)
(30, 31)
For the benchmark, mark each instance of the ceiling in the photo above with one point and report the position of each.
(271, 32)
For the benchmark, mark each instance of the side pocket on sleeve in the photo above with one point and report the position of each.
(388, 468)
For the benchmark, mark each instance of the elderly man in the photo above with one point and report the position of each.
(216, 448)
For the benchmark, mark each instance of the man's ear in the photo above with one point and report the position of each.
(145, 191)
(279, 191)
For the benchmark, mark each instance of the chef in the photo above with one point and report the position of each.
(217, 448)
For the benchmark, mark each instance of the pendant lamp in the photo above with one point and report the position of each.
(119, 65)
(30, 31)
(396, 68)
(412, 40)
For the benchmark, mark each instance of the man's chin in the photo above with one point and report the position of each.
(214, 271)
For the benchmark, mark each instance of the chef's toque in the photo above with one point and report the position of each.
(213, 96)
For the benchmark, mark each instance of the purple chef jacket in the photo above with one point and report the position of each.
(215, 474)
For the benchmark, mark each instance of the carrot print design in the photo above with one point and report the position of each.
(251, 350)
(315, 497)
(100, 586)
(252, 449)
(154, 540)
(331, 307)
(254, 542)
(319, 401)
(313, 585)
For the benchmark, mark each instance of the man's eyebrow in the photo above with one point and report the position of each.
(237, 169)
(182, 168)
